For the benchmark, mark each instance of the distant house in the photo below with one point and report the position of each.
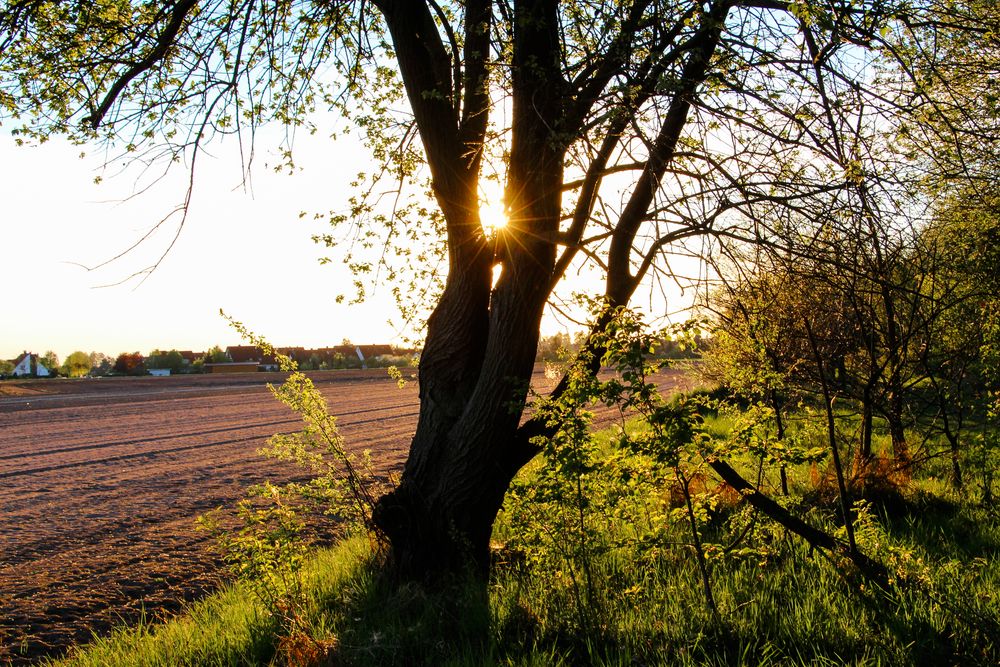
(190, 357)
(232, 367)
(298, 354)
(328, 354)
(28, 365)
(159, 372)
(371, 351)
(245, 355)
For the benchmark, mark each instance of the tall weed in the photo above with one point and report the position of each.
(264, 545)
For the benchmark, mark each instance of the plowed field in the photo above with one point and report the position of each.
(101, 482)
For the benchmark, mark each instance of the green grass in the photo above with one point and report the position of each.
(782, 606)
(229, 627)
(778, 602)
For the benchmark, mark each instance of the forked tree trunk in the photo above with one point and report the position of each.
(440, 517)
(481, 343)
(449, 370)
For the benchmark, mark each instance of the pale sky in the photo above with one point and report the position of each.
(246, 252)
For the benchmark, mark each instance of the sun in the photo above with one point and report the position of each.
(492, 217)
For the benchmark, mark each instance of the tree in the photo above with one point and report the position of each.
(129, 364)
(957, 347)
(50, 360)
(623, 133)
(216, 355)
(100, 363)
(903, 330)
(77, 365)
(755, 351)
(6, 368)
(172, 360)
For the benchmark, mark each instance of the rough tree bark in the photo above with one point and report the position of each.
(481, 342)
(480, 348)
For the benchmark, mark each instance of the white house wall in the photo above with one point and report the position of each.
(23, 367)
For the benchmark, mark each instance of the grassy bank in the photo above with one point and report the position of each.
(619, 603)
(621, 548)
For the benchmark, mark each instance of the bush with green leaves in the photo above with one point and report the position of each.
(631, 494)
(275, 525)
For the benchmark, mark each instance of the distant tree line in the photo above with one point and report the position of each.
(96, 364)
(563, 346)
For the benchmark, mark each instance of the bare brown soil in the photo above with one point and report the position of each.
(20, 389)
(101, 482)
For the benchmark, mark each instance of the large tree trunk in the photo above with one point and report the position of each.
(480, 348)
(440, 517)
(481, 344)
(449, 370)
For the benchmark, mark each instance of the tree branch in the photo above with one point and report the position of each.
(475, 110)
(163, 43)
(702, 47)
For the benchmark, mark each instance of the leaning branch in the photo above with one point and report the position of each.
(871, 569)
(702, 47)
(163, 44)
